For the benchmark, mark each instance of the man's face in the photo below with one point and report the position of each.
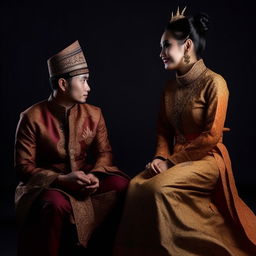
(79, 88)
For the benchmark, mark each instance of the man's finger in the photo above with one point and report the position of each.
(79, 182)
(84, 179)
(92, 186)
(93, 179)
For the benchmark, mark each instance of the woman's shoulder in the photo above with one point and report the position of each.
(214, 78)
(215, 82)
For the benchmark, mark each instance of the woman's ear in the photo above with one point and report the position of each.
(62, 85)
(189, 45)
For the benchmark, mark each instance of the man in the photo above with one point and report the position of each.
(69, 195)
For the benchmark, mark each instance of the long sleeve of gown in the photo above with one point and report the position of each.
(216, 96)
(165, 134)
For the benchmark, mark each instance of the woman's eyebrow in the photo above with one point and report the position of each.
(164, 42)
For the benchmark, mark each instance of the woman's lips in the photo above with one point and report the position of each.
(166, 61)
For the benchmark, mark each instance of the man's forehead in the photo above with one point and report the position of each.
(83, 75)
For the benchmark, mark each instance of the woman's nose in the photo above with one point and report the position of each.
(161, 53)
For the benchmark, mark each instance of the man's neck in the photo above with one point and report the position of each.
(62, 101)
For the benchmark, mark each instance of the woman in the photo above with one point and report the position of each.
(185, 203)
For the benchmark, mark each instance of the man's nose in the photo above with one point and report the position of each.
(87, 87)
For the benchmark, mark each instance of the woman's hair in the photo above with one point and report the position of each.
(193, 27)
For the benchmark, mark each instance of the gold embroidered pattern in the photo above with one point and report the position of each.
(183, 96)
(88, 135)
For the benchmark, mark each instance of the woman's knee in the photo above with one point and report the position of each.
(147, 188)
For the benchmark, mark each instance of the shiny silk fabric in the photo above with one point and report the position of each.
(193, 208)
(52, 141)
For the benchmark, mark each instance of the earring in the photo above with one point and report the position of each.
(186, 58)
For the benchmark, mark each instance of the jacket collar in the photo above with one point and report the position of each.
(59, 110)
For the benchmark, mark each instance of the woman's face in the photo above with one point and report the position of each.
(172, 52)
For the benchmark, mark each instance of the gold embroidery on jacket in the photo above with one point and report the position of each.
(88, 135)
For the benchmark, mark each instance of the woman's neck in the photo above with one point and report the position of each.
(183, 69)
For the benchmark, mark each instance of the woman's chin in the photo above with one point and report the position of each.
(168, 66)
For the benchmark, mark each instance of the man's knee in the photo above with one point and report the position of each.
(113, 182)
(54, 202)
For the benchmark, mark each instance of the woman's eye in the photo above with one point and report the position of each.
(166, 45)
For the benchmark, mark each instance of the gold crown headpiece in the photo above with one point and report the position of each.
(178, 15)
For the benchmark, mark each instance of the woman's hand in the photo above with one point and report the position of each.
(158, 165)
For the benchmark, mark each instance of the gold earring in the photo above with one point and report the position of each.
(186, 57)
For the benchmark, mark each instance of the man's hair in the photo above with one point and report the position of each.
(54, 82)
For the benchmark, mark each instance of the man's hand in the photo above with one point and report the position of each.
(93, 185)
(78, 181)
(158, 165)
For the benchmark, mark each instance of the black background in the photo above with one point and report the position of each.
(121, 44)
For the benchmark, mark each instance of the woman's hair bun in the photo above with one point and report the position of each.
(201, 22)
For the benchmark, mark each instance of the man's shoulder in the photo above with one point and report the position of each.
(91, 109)
(35, 108)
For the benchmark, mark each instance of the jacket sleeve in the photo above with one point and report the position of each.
(165, 134)
(216, 96)
(25, 155)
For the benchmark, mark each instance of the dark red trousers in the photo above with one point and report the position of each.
(49, 231)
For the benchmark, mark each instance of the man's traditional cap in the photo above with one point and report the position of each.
(68, 62)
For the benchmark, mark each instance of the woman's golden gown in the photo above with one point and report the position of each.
(193, 208)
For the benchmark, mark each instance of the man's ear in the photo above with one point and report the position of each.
(62, 84)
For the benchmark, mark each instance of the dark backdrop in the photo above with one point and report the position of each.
(121, 43)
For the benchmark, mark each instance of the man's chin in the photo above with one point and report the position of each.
(80, 101)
